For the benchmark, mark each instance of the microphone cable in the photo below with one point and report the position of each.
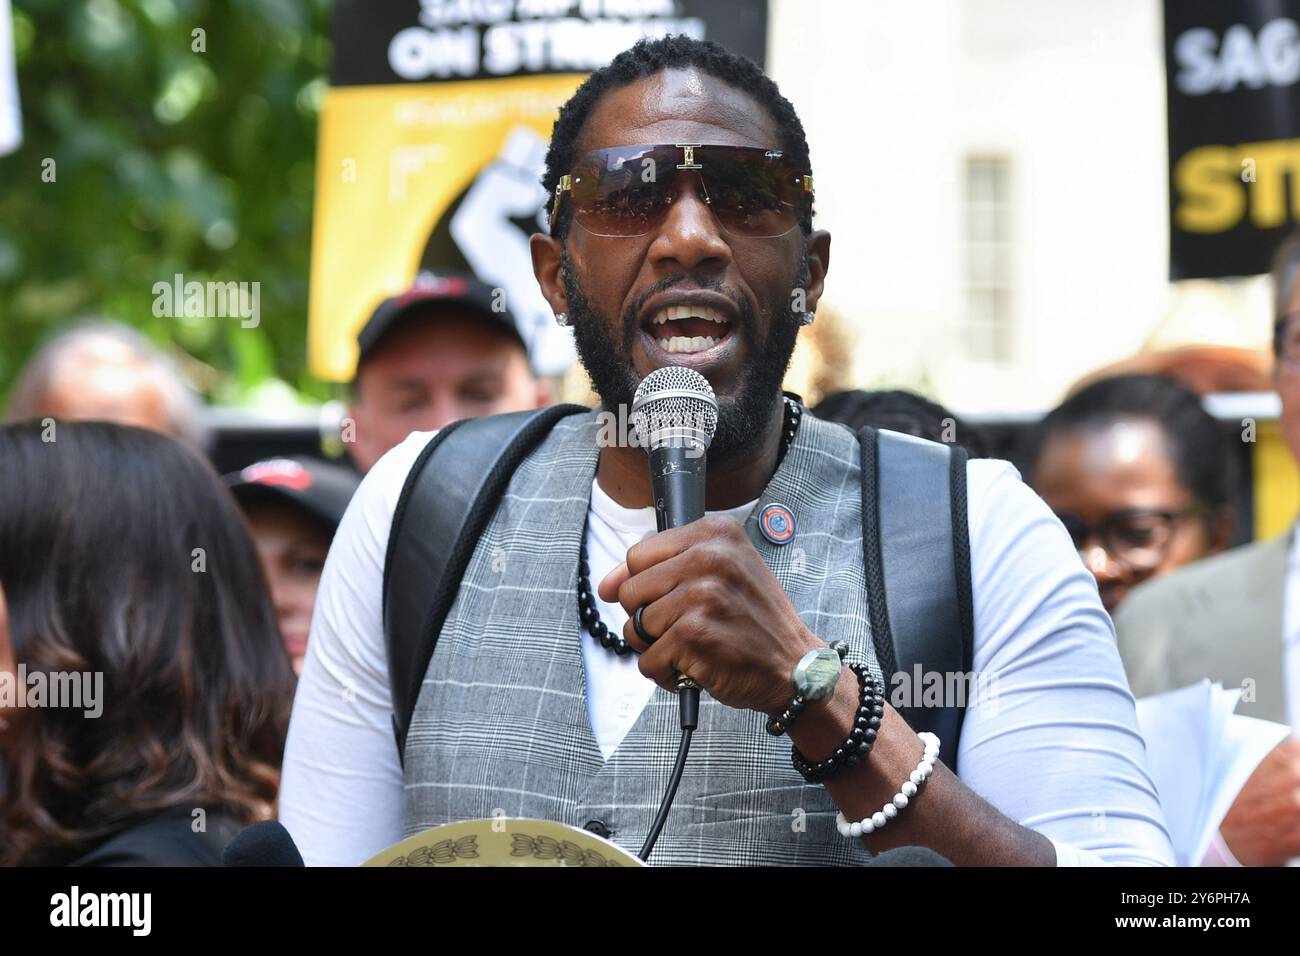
(688, 702)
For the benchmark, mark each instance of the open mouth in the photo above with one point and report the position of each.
(688, 328)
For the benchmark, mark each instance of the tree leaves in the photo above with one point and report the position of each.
(169, 155)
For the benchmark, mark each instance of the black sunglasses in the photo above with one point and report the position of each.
(626, 191)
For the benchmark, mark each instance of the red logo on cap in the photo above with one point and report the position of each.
(427, 285)
(280, 472)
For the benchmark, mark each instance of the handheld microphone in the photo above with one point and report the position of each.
(263, 844)
(674, 415)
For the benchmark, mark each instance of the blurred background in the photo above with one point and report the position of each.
(994, 173)
(167, 160)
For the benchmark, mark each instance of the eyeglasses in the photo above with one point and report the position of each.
(1286, 332)
(626, 191)
(1136, 537)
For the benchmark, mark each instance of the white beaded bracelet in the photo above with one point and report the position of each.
(905, 793)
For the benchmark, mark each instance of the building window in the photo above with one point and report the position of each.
(987, 327)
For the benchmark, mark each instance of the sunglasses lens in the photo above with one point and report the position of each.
(619, 192)
(627, 191)
(753, 196)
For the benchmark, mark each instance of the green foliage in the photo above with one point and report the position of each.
(173, 151)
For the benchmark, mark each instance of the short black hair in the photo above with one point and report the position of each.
(648, 57)
(1286, 267)
(1196, 442)
(901, 411)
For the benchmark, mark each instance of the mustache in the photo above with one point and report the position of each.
(712, 283)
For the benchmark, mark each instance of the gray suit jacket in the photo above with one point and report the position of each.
(1219, 618)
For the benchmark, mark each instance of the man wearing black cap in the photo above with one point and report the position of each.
(293, 507)
(445, 349)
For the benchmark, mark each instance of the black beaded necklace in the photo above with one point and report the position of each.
(588, 614)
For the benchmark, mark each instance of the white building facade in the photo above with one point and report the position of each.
(994, 175)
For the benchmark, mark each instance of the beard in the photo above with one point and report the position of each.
(742, 417)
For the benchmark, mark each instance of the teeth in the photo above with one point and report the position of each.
(683, 343)
(689, 311)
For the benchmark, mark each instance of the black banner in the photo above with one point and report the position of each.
(426, 41)
(1233, 79)
(350, 908)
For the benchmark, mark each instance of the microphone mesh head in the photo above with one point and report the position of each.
(674, 400)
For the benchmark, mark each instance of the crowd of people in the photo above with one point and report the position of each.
(124, 554)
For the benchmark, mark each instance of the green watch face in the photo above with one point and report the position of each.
(817, 673)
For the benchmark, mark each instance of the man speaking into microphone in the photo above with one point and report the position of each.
(681, 235)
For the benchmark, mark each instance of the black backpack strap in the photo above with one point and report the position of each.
(916, 552)
(449, 496)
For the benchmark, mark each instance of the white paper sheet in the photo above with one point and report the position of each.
(1201, 754)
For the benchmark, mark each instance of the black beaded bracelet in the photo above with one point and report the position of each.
(866, 724)
(779, 724)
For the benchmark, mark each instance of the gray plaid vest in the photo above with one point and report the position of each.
(500, 725)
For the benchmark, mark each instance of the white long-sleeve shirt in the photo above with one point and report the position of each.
(1060, 752)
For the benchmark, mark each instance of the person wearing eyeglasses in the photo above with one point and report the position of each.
(1136, 470)
(1235, 618)
(681, 234)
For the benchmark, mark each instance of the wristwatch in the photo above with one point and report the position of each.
(815, 677)
(817, 672)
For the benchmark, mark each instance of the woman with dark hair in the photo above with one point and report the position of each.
(1138, 473)
(131, 597)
